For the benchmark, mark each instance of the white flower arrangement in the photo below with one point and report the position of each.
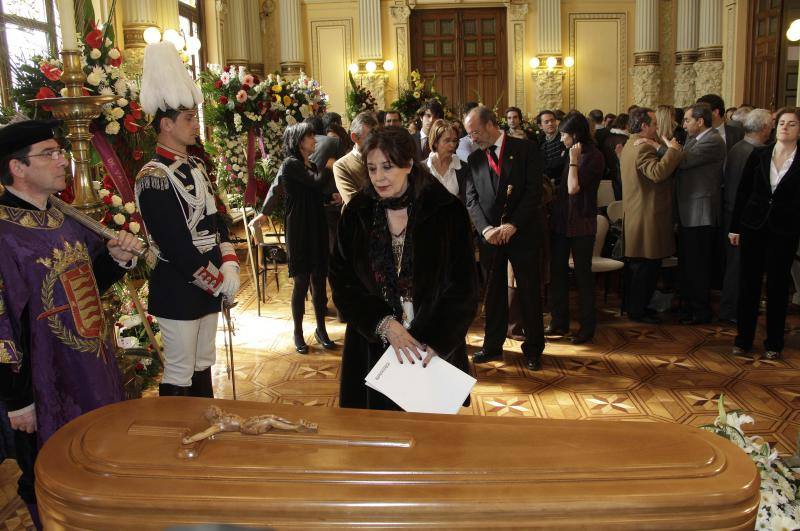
(779, 509)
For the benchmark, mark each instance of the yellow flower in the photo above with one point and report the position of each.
(287, 100)
(277, 98)
(276, 88)
(416, 95)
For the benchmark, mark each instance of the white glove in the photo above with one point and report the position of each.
(230, 280)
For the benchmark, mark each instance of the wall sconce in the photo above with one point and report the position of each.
(189, 45)
(372, 68)
(550, 65)
(793, 33)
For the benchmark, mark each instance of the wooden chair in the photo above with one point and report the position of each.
(600, 265)
(269, 246)
(605, 194)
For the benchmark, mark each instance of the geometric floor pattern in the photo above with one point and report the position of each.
(630, 372)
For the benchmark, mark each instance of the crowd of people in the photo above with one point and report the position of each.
(392, 216)
(714, 188)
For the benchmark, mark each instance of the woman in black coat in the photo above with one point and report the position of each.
(766, 224)
(306, 231)
(403, 269)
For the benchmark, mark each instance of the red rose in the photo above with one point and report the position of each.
(107, 199)
(116, 62)
(130, 123)
(126, 226)
(149, 318)
(223, 100)
(94, 39)
(139, 366)
(136, 111)
(43, 93)
(137, 154)
(218, 84)
(50, 72)
(84, 91)
(245, 87)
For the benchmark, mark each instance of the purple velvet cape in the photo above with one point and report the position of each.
(47, 280)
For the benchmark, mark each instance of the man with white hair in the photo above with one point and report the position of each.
(350, 172)
(757, 128)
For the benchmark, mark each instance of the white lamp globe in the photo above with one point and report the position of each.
(353, 68)
(151, 35)
(569, 62)
(793, 33)
(175, 38)
(534, 62)
(193, 45)
(370, 67)
(388, 65)
(551, 62)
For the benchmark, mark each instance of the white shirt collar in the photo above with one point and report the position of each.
(449, 179)
(499, 141)
(721, 131)
(356, 152)
(776, 174)
(701, 135)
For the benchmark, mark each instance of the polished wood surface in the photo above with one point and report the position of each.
(119, 466)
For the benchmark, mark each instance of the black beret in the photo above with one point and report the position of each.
(18, 135)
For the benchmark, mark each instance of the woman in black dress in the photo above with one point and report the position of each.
(306, 231)
(403, 269)
(766, 224)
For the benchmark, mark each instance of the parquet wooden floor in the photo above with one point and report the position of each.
(630, 372)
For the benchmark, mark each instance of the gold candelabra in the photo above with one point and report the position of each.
(77, 111)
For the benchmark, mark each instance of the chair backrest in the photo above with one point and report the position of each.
(600, 237)
(615, 211)
(605, 193)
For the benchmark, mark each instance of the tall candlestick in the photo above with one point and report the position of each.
(66, 11)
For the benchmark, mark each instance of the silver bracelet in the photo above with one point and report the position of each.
(383, 327)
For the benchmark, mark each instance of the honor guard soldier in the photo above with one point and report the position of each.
(196, 266)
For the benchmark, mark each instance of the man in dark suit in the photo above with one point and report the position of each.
(698, 191)
(731, 134)
(433, 111)
(503, 192)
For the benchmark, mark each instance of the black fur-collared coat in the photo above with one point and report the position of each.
(444, 291)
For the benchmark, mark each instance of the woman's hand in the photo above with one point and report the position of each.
(431, 354)
(405, 346)
(734, 239)
(575, 153)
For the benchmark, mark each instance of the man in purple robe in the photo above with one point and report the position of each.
(54, 362)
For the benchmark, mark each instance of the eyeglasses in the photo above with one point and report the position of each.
(54, 154)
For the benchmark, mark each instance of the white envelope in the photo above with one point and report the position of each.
(438, 388)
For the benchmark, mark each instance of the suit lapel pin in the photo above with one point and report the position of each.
(509, 189)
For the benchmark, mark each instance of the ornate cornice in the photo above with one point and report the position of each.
(134, 35)
(645, 58)
(713, 53)
(400, 14)
(517, 11)
(685, 57)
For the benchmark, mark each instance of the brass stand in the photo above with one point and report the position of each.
(77, 112)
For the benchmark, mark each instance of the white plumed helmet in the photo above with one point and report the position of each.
(166, 83)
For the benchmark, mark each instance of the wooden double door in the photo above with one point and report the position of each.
(764, 49)
(466, 50)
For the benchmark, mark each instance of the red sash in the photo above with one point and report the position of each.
(497, 166)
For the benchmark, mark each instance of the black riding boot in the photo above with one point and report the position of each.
(201, 384)
(172, 390)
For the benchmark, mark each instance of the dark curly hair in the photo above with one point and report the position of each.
(293, 136)
(399, 146)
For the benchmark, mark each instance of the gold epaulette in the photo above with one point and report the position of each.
(151, 177)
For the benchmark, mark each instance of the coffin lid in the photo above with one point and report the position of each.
(120, 464)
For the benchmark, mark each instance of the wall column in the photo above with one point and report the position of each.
(517, 13)
(291, 44)
(236, 36)
(252, 9)
(686, 52)
(646, 69)
(400, 14)
(709, 64)
(549, 82)
(168, 15)
(137, 17)
(370, 49)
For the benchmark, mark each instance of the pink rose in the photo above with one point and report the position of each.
(241, 96)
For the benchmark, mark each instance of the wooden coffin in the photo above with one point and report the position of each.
(119, 468)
